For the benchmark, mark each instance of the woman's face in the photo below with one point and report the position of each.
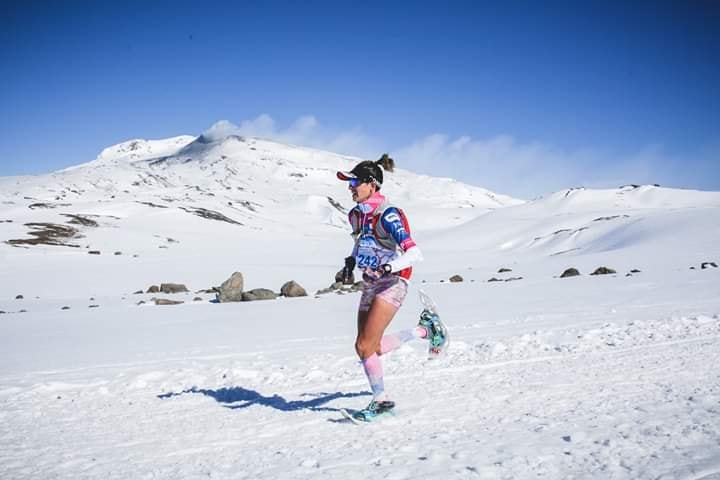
(362, 191)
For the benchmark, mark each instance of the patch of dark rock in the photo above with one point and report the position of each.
(210, 214)
(19, 297)
(298, 175)
(337, 205)
(603, 271)
(153, 205)
(93, 306)
(292, 289)
(117, 253)
(340, 287)
(94, 252)
(172, 240)
(456, 279)
(692, 268)
(513, 279)
(613, 217)
(80, 220)
(141, 302)
(162, 246)
(231, 289)
(2, 312)
(634, 270)
(570, 190)
(47, 234)
(258, 294)
(570, 272)
(139, 292)
(708, 264)
(173, 288)
(493, 279)
(153, 289)
(504, 270)
(249, 205)
(197, 299)
(65, 308)
(165, 301)
(33, 206)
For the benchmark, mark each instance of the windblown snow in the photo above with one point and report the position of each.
(592, 376)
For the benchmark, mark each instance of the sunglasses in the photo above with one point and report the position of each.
(354, 182)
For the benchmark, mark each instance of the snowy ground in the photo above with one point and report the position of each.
(610, 382)
(602, 377)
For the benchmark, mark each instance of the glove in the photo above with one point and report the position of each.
(347, 271)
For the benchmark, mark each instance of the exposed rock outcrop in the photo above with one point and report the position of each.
(570, 272)
(231, 289)
(258, 294)
(293, 289)
(173, 288)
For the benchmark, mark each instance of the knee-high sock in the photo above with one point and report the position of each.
(374, 372)
(392, 341)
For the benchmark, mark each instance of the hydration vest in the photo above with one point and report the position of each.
(378, 231)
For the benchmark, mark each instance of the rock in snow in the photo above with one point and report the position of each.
(293, 289)
(570, 272)
(231, 289)
(258, 294)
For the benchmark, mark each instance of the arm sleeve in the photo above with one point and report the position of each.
(393, 223)
(410, 257)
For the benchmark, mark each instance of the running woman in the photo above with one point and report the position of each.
(385, 252)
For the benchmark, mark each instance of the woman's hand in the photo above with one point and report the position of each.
(376, 273)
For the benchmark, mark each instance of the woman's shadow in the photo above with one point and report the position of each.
(239, 397)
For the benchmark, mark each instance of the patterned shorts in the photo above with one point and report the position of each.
(392, 289)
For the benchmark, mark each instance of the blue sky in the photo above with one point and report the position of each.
(519, 97)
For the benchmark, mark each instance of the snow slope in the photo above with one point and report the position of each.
(609, 376)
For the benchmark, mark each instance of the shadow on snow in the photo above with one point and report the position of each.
(239, 397)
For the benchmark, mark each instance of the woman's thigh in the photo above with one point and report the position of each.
(372, 327)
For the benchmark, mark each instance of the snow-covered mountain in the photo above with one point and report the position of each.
(256, 182)
(198, 203)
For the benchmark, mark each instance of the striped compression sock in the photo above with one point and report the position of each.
(392, 341)
(374, 372)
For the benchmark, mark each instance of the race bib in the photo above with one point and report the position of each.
(370, 254)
